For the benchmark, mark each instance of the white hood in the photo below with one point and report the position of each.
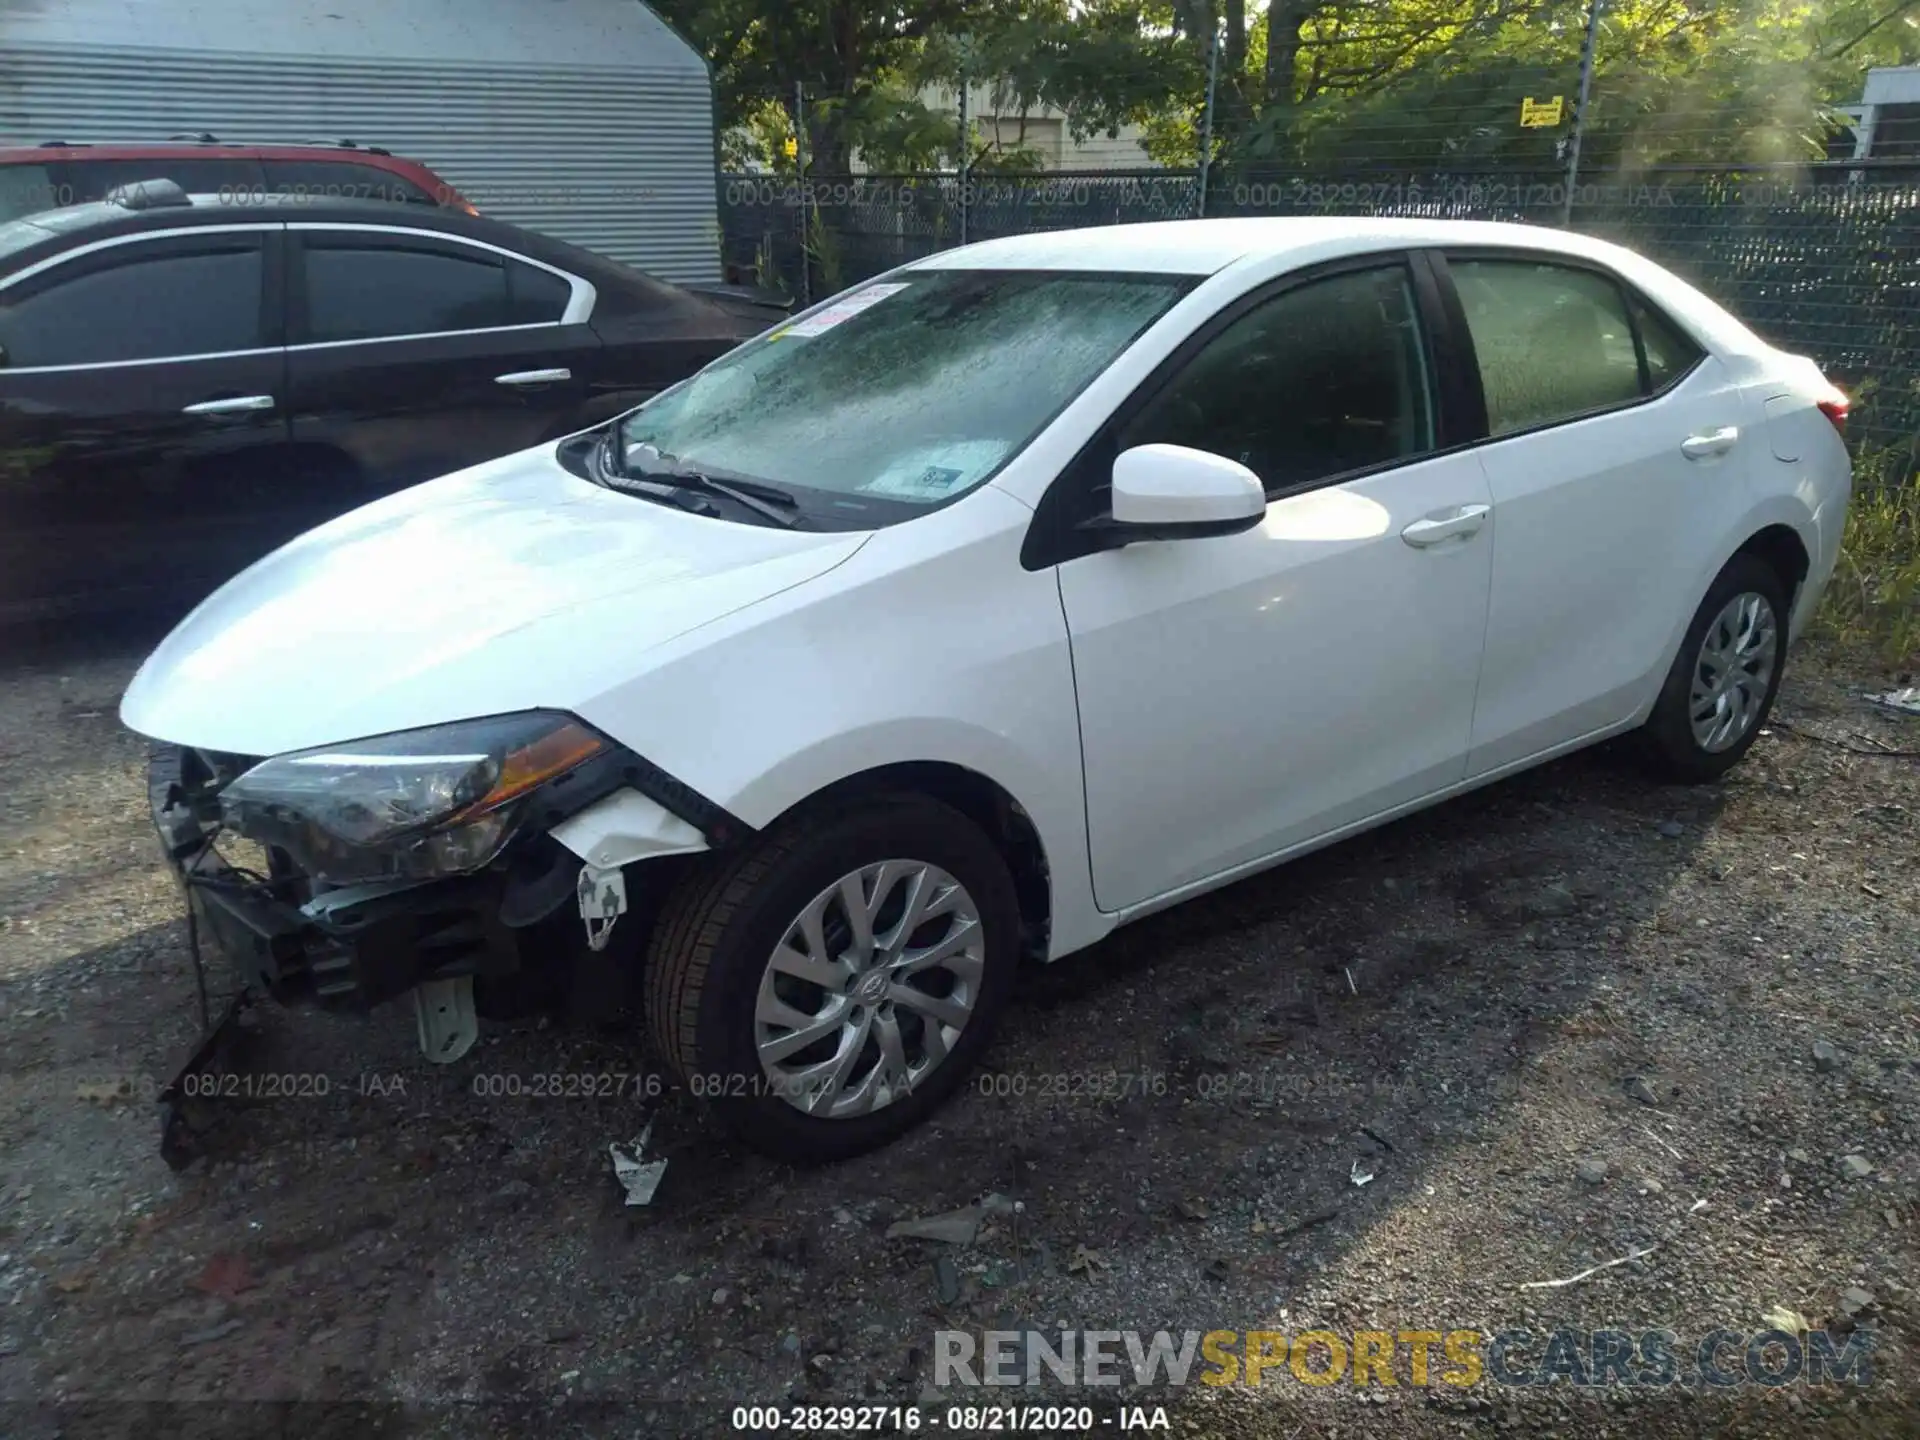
(514, 585)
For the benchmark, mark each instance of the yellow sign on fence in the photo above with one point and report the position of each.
(1535, 114)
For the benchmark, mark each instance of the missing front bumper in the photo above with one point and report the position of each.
(348, 948)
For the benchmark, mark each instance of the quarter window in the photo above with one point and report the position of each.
(1552, 342)
(1322, 380)
(179, 305)
(1670, 354)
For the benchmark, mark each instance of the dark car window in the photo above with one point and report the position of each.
(338, 179)
(203, 301)
(1552, 342)
(535, 296)
(1321, 380)
(88, 180)
(363, 291)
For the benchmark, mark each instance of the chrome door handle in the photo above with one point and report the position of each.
(1713, 442)
(533, 377)
(1466, 520)
(238, 405)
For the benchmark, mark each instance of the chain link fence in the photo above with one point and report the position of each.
(1822, 259)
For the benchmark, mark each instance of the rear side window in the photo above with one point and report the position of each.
(1552, 342)
(176, 305)
(367, 292)
(535, 296)
(340, 180)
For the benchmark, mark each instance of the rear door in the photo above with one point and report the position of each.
(1617, 455)
(141, 429)
(413, 353)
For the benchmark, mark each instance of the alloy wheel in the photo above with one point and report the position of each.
(1733, 672)
(868, 990)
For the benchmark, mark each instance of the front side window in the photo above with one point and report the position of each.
(1552, 342)
(907, 393)
(131, 307)
(361, 291)
(1324, 379)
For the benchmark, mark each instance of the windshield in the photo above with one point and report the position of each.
(901, 394)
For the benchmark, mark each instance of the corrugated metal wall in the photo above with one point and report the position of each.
(615, 157)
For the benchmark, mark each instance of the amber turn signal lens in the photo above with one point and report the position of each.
(532, 765)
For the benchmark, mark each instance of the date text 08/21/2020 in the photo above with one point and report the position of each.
(956, 1419)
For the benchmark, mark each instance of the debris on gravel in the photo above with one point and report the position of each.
(1167, 1131)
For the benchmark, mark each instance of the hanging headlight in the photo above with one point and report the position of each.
(416, 805)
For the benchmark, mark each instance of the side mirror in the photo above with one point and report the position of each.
(1171, 492)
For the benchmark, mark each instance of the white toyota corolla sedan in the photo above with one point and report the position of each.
(1031, 588)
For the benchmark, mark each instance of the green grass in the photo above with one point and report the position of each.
(1873, 602)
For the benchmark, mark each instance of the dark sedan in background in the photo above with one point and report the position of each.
(186, 382)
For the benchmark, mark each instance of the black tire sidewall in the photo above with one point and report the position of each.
(1670, 728)
(728, 1078)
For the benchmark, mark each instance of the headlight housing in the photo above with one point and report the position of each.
(416, 805)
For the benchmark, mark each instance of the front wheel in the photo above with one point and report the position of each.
(825, 988)
(1724, 680)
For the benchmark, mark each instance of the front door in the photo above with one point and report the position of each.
(142, 427)
(1241, 695)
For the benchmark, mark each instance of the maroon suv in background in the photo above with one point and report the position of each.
(59, 173)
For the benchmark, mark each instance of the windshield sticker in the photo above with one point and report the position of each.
(937, 473)
(840, 311)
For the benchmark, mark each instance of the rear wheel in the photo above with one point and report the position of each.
(1724, 680)
(825, 988)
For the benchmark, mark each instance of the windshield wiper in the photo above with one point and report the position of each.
(643, 464)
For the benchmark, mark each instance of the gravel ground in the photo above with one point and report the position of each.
(1566, 1020)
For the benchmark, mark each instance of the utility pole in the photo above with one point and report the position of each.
(966, 133)
(800, 182)
(1580, 107)
(1206, 120)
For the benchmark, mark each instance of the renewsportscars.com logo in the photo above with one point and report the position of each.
(1418, 1358)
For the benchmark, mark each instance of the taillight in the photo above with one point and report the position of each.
(1835, 408)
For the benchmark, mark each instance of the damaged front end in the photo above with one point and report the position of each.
(444, 863)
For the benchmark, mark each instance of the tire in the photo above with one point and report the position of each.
(1670, 745)
(710, 973)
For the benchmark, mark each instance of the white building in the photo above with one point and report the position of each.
(588, 120)
(1044, 130)
(1886, 122)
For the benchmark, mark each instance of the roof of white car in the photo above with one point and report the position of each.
(1205, 247)
(1201, 247)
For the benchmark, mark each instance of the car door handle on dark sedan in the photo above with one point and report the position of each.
(533, 377)
(232, 405)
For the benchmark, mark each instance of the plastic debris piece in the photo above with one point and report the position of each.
(637, 1175)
